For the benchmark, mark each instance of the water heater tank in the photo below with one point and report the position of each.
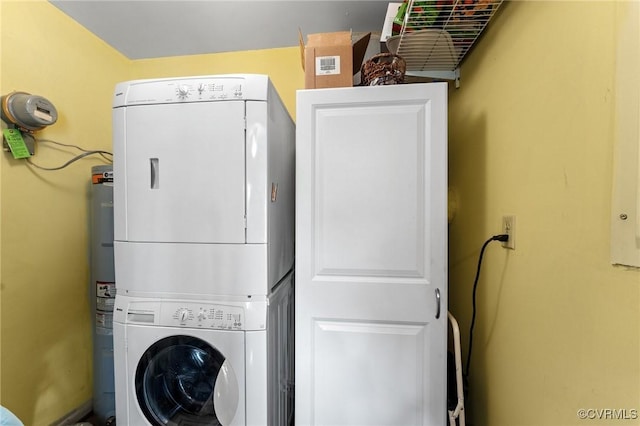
(102, 291)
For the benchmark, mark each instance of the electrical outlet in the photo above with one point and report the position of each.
(509, 228)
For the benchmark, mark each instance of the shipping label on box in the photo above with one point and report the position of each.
(328, 65)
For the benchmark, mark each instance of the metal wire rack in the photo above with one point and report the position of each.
(437, 34)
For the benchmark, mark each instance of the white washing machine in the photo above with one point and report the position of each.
(188, 363)
(204, 191)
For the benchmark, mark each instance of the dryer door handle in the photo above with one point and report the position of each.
(155, 173)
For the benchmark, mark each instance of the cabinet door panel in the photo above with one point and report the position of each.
(371, 256)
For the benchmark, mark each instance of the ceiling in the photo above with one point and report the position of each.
(150, 29)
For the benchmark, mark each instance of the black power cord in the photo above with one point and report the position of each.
(500, 237)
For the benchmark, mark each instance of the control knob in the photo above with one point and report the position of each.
(183, 91)
(183, 314)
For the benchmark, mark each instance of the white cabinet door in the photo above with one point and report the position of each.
(371, 250)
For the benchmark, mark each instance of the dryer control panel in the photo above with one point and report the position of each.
(191, 89)
(187, 90)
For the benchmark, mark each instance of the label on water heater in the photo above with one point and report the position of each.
(104, 324)
(105, 300)
(102, 178)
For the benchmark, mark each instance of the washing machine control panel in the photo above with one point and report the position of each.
(203, 315)
(219, 315)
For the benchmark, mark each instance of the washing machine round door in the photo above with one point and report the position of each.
(184, 380)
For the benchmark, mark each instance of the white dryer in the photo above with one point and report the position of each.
(203, 186)
(186, 362)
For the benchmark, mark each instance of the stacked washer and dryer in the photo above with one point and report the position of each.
(204, 252)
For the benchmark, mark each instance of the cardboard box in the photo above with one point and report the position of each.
(331, 59)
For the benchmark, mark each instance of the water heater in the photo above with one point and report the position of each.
(102, 291)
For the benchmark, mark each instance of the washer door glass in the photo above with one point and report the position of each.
(184, 380)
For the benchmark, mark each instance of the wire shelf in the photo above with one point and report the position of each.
(437, 34)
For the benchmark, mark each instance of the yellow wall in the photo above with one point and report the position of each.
(45, 347)
(45, 322)
(531, 133)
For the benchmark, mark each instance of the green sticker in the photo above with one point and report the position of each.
(16, 144)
